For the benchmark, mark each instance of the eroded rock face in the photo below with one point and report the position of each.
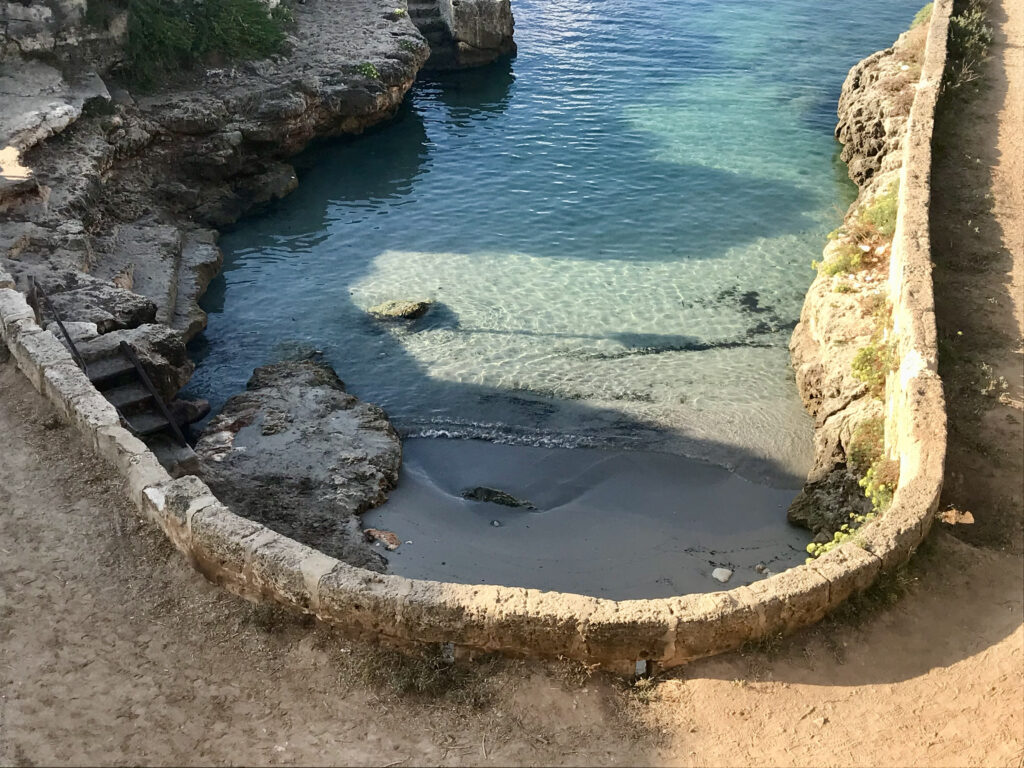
(839, 313)
(874, 107)
(302, 456)
(482, 30)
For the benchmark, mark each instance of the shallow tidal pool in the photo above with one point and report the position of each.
(616, 229)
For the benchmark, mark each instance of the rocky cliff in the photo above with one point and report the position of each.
(109, 198)
(846, 308)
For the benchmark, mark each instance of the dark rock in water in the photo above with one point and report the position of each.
(493, 496)
(825, 506)
(189, 411)
(400, 310)
(300, 455)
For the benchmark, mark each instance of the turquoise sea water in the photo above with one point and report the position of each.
(617, 227)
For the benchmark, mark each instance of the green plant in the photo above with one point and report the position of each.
(847, 259)
(409, 45)
(873, 363)
(923, 16)
(163, 37)
(846, 533)
(866, 445)
(880, 483)
(398, 13)
(970, 38)
(881, 213)
(366, 69)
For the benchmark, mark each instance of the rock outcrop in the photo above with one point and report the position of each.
(841, 311)
(305, 458)
(109, 199)
(464, 33)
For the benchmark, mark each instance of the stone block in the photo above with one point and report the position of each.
(790, 600)
(220, 544)
(118, 446)
(849, 570)
(144, 471)
(13, 307)
(275, 567)
(35, 352)
(65, 384)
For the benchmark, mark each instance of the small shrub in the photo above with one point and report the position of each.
(866, 445)
(970, 38)
(881, 213)
(366, 69)
(923, 16)
(167, 37)
(873, 363)
(847, 260)
(846, 533)
(399, 13)
(409, 45)
(880, 483)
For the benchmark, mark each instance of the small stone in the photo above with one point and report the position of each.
(387, 538)
(760, 567)
(496, 523)
(400, 310)
(721, 574)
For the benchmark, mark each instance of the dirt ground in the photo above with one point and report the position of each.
(113, 651)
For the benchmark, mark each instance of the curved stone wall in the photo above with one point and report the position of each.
(255, 562)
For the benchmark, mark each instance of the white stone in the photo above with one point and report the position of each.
(721, 574)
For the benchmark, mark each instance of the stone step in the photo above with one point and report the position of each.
(110, 372)
(147, 423)
(129, 398)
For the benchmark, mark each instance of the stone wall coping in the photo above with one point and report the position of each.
(257, 563)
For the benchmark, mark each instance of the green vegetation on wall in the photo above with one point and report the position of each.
(970, 37)
(923, 16)
(165, 37)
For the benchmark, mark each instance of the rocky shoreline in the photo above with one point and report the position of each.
(847, 305)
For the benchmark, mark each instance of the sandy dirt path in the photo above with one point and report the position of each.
(112, 650)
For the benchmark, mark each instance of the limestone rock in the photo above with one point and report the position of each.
(825, 506)
(161, 352)
(109, 307)
(300, 455)
(400, 310)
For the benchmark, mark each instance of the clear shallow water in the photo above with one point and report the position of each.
(617, 227)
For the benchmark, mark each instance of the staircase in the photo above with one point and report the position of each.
(426, 15)
(118, 375)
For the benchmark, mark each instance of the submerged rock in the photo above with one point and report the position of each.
(400, 310)
(300, 455)
(494, 496)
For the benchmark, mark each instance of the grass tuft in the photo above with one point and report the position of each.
(167, 37)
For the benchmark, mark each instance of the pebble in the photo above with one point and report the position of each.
(760, 567)
(496, 523)
(721, 574)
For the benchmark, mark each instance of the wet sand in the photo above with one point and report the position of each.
(613, 524)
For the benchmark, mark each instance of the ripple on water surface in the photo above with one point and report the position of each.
(616, 227)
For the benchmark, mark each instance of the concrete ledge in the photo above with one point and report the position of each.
(257, 563)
